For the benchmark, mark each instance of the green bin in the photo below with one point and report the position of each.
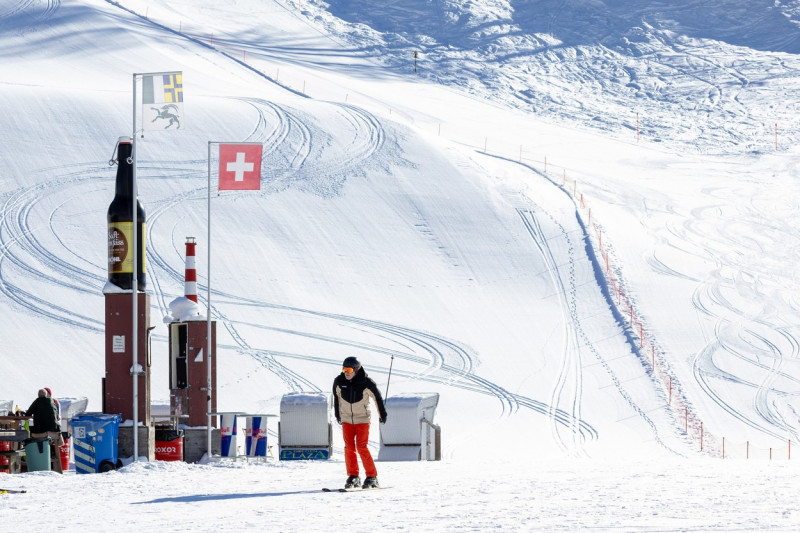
(37, 454)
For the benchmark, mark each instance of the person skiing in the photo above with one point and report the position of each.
(352, 390)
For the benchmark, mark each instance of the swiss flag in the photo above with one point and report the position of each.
(240, 167)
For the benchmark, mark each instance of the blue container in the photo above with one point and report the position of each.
(229, 435)
(95, 442)
(256, 441)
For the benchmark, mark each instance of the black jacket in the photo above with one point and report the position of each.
(351, 398)
(45, 416)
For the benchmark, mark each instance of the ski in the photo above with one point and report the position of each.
(12, 491)
(354, 489)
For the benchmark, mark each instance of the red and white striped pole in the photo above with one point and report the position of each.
(190, 285)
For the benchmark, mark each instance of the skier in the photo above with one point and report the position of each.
(352, 390)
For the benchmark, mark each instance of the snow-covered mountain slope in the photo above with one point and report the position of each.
(414, 215)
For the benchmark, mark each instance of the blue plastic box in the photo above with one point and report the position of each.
(96, 442)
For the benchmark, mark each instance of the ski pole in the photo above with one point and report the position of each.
(389, 378)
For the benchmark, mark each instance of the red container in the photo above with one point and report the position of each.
(169, 450)
(64, 451)
(5, 446)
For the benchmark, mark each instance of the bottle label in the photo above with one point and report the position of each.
(120, 261)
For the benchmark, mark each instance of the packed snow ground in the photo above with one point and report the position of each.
(424, 216)
(502, 494)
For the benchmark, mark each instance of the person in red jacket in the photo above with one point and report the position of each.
(352, 390)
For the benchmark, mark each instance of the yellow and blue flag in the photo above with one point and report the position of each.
(162, 101)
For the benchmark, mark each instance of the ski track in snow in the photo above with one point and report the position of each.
(742, 328)
(443, 361)
(574, 333)
(19, 12)
(568, 387)
(21, 249)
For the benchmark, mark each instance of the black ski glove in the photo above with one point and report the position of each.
(383, 418)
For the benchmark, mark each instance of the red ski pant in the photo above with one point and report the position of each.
(356, 437)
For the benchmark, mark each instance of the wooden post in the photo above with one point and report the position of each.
(670, 390)
(748, 450)
(701, 436)
(723, 447)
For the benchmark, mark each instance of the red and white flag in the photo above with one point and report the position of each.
(240, 167)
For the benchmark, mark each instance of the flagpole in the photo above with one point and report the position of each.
(135, 254)
(208, 306)
(135, 286)
(208, 286)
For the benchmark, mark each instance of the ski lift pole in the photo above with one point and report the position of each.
(389, 378)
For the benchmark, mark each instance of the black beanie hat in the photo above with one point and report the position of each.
(352, 362)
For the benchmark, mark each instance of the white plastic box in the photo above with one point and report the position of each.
(305, 431)
(6, 406)
(72, 407)
(409, 433)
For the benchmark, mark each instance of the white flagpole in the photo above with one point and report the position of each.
(208, 306)
(135, 282)
(135, 287)
(208, 296)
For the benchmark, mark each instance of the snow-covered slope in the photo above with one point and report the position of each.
(713, 78)
(443, 221)
(452, 222)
